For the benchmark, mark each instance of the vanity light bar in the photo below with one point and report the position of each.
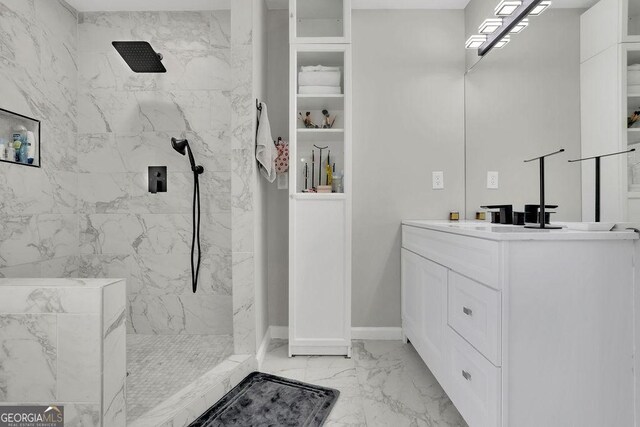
(489, 26)
(520, 26)
(474, 42)
(507, 7)
(541, 7)
(514, 19)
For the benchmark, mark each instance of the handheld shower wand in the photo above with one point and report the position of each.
(182, 147)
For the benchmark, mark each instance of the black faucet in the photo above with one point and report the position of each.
(532, 213)
(503, 216)
(543, 215)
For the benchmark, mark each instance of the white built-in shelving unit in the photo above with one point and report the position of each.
(610, 42)
(320, 223)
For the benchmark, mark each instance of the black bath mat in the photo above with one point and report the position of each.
(267, 400)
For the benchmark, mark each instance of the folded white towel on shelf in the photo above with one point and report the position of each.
(320, 90)
(266, 151)
(634, 67)
(318, 68)
(633, 89)
(319, 78)
(633, 77)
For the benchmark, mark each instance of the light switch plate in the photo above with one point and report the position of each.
(492, 180)
(438, 180)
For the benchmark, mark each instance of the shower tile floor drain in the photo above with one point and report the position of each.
(158, 366)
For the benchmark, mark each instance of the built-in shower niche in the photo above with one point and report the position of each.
(19, 139)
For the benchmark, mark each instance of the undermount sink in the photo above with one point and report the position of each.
(588, 226)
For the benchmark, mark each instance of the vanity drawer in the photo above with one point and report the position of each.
(475, 313)
(473, 257)
(474, 383)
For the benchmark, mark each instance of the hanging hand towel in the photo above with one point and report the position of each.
(266, 152)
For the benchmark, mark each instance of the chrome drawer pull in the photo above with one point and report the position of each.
(467, 311)
(466, 375)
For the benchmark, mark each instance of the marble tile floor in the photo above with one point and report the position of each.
(161, 365)
(385, 383)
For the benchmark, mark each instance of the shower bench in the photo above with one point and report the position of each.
(62, 343)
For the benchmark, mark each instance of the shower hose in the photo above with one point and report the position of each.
(195, 267)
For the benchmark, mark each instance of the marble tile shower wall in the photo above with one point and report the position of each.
(243, 168)
(38, 75)
(125, 122)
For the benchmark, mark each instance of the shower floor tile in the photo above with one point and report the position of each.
(161, 365)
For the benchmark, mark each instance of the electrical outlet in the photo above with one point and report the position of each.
(492, 180)
(438, 180)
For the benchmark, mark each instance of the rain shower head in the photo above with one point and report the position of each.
(140, 56)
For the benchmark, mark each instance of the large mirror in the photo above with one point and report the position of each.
(523, 101)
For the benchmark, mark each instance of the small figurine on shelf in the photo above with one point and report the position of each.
(306, 119)
(327, 122)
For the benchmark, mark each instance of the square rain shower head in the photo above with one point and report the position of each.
(140, 56)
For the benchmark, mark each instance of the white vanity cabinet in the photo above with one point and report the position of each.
(523, 327)
(424, 306)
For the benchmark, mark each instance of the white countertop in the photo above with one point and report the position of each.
(485, 230)
(58, 283)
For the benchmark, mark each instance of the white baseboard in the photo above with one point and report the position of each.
(279, 332)
(380, 334)
(357, 333)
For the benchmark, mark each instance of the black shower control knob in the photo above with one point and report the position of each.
(157, 179)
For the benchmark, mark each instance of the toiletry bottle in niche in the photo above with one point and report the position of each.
(11, 152)
(3, 149)
(31, 147)
(16, 149)
(24, 152)
(19, 137)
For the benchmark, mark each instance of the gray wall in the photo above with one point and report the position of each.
(126, 121)
(38, 75)
(408, 74)
(407, 107)
(278, 200)
(524, 101)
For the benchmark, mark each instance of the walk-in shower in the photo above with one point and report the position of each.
(182, 147)
(115, 102)
(191, 337)
(140, 56)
